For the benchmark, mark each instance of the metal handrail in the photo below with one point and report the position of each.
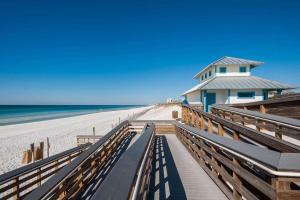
(142, 167)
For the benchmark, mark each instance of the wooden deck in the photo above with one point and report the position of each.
(173, 178)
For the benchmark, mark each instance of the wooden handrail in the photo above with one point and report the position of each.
(130, 176)
(281, 121)
(19, 182)
(283, 99)
(274, 160)
(242, 170)
(82, 139)
(286, 106)
(277, 124)
(70, 181)
(219, 125)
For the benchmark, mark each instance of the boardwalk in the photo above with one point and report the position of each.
(176, 175)
(168, 160)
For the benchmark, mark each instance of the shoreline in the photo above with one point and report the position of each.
(16, 138)
(44, 116)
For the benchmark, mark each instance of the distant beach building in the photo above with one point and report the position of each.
(169, 100)
(228, 80)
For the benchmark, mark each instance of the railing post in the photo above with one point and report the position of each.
(202, 122)
(209, 125)
(257, 125)
(283, 190)
(189, 117)
(243, 121)
(213, 164)
(39, 176)
(237, 180)
(183, 114)
(278, 134)
(63, 193)
(69, 158)
(262, 109)
(16, 189)
(56, 164)
(197, 121)
(220, 129)
(192, 118)
(236, 136)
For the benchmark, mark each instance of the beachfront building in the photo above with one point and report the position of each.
(228, 80)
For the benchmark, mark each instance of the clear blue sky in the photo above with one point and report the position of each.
(136, 52)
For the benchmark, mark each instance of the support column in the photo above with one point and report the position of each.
(204, 101)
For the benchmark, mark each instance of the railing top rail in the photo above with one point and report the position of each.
(61, 175)
(124, 174)
(284, 121)
(89, 136)
(276, 163)
(283, 99)
(134, 122)
(36, 165)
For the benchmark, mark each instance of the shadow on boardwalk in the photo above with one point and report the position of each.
(93, 186)
(165, 182)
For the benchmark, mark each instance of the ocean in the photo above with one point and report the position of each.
(14, 114)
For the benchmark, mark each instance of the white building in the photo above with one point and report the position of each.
(229, 81)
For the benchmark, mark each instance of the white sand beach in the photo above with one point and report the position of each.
(14, 139)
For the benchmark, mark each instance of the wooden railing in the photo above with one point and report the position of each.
(161, 126)
(241, 170)
(229, 128)
(83, 139)
(130, 177)
(280, 126)
(286, 105)
(70, 181)
(19, 182)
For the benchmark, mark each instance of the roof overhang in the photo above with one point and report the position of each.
(226, 60)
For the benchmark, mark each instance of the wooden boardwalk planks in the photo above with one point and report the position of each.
(176, 175)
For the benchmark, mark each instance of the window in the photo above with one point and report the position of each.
(205, 75)
(223, 69)
(209, 73)
(246, 95)
(243, 69)
(202, 78)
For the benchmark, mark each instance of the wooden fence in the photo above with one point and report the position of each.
(230, 128)
(19, 182)
(69, 182)
(130, 177)
(241, 170)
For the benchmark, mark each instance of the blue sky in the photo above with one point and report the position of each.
(137, 52)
